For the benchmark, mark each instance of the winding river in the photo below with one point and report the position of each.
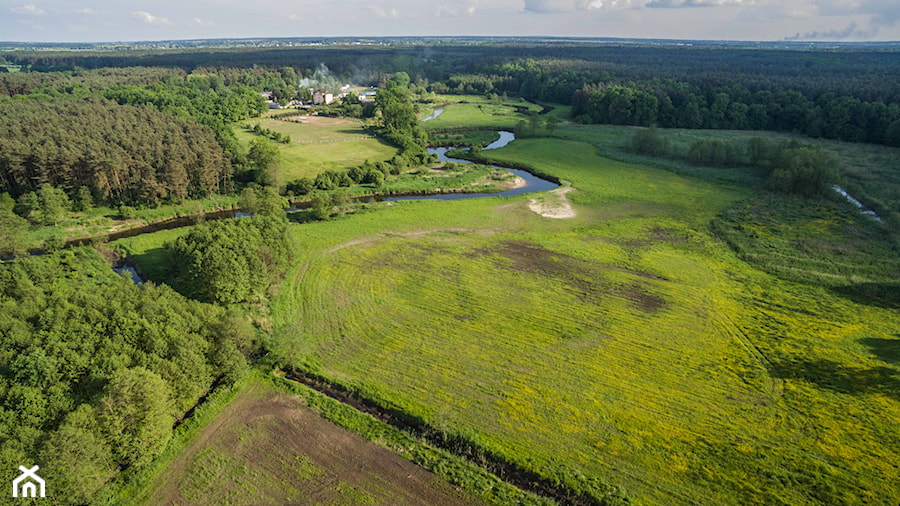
(532, 183)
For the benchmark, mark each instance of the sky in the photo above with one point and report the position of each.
(763, 20)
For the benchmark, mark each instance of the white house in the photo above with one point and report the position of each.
(320, 98)
(31, 483)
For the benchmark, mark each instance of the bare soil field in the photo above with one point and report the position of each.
(267, 447)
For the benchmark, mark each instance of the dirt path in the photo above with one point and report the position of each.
(554, 204)
(267, 447)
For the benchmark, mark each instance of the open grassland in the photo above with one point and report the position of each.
(267, 447)
(320, 143)
(627, 344)
(871, 173)
(472, 113)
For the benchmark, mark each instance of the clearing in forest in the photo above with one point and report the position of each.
(319, 143)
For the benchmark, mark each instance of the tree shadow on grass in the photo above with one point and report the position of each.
(887, 350)
(885, 295)
(830, 375)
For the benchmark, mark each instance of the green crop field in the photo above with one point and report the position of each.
(319, 143)
(629, 343)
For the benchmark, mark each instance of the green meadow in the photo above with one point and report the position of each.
(479, 112)
(320, 143)
(628, 345)
(686, 337)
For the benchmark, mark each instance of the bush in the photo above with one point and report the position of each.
(127, 212)
(648, 141)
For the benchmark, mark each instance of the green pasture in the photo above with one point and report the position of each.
(479, 138)
(628, 344)
(869, 172)
(479, 113)
(320, 144)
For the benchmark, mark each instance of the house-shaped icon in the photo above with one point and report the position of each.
(31, 482)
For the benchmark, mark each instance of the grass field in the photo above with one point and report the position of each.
(871, 173)
(320, 143)
(628, 344)
(479, 112)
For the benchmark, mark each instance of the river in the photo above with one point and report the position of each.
(437, 112)
(532, 182)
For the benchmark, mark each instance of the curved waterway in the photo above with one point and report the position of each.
(437, 112)
(532, 183)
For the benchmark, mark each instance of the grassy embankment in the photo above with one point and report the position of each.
(319, 144)
(472, 120)
(628, 344)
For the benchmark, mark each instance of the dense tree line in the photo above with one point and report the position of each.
(672, 104)
(80, 82)
(526, 68)
(94, 370)
(230, 261)
(119, 153)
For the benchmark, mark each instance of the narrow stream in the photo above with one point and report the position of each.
(858, 204)
(122, 268)
(437, 112)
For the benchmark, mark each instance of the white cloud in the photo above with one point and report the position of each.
(670, 4)
(84, 11)
(28, 9)
(201, 22)
(150, 19)
(467, 8)
(553, 6)
(384, 13)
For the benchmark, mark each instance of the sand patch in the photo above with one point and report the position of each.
(554, 204)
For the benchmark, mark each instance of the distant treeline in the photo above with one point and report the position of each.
(672, 104)
(868, 74)
(814, 99)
